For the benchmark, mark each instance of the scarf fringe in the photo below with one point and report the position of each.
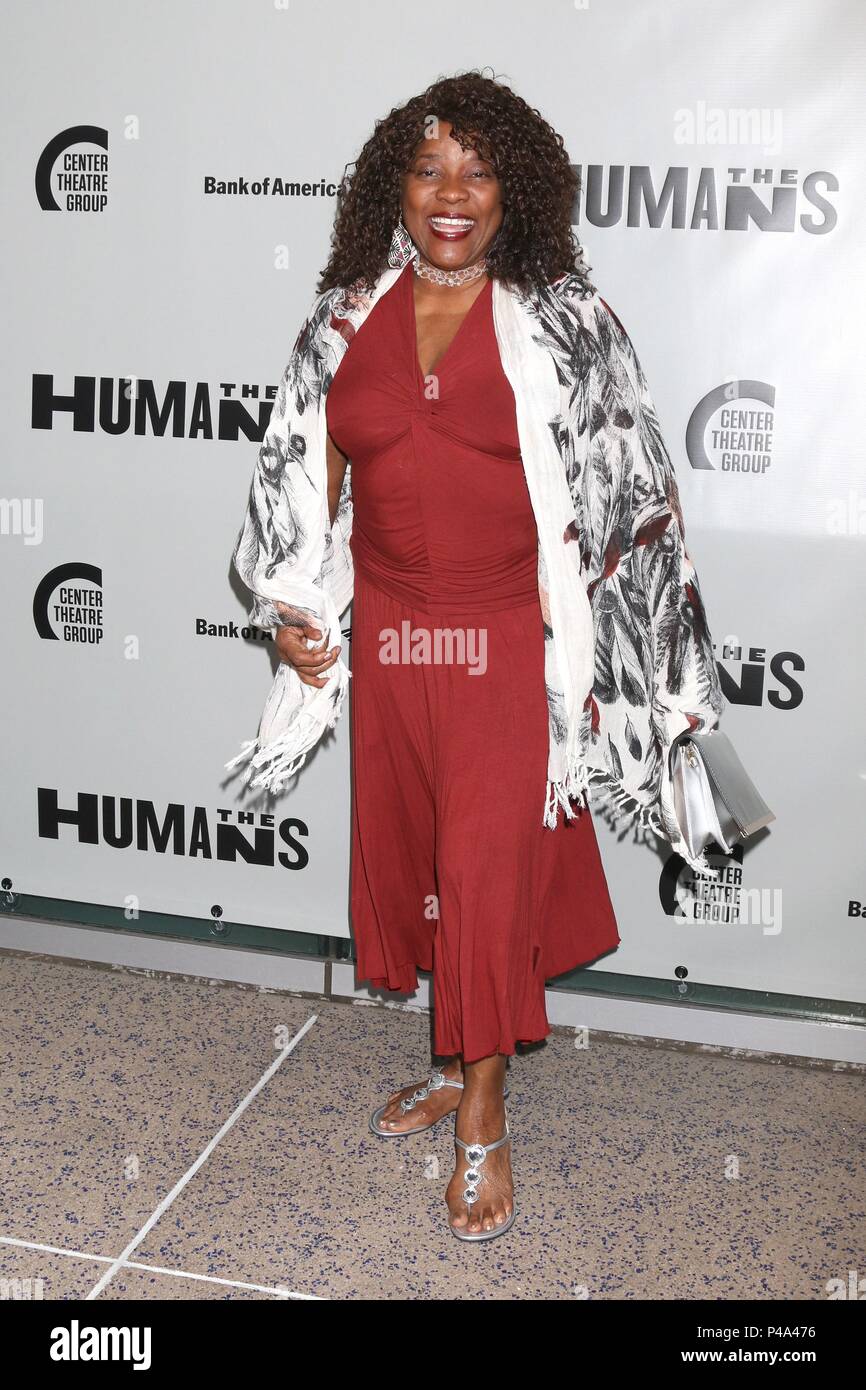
(560, 793)
(280, 758)
(615, 805)
(623, 812)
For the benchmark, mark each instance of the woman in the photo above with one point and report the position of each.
(463, 441)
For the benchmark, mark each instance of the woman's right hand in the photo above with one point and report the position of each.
(291, 643)
(291, 638)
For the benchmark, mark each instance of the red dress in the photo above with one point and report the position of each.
(451, 868)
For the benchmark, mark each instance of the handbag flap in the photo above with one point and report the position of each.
(696, 808)
(732, 781)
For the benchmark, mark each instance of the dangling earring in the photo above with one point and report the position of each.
(403, 248)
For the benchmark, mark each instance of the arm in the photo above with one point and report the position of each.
(337, 462)
(655, 671)
(262, 547)
(683, 683)
(336, 473)
(310, 666)
(683, 662)
(271, 540)
(291, 640)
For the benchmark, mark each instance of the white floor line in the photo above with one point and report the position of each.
(229, 1283)
(159, 1269)
(205, 1154)
(57, 1250)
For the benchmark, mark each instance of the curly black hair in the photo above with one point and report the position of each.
(535, 244)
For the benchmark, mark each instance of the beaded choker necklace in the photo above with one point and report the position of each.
(449, 277)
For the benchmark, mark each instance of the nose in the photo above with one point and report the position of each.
(451, 190)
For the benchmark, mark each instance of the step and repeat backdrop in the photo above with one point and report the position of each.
(170, 181)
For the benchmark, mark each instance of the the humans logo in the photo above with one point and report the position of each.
(138, 405)
(704, 200)
(81, 179)
(76, 1343)
(752, 687)
(172, 829)
(731, 429)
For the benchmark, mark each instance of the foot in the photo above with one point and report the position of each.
(481, 1120)
(424, 1112)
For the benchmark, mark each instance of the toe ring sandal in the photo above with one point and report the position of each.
(476, 1154)
(436, 1080)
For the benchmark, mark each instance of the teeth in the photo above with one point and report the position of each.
(453, 221)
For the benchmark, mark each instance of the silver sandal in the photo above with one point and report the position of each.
(476, 1154)
(436, 1080)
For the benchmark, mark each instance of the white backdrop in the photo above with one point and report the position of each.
(128, 681)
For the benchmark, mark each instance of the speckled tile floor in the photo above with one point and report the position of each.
(640, 1172)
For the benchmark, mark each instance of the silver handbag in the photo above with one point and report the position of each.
(714, 797)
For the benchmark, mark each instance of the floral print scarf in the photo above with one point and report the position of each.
(629, 661)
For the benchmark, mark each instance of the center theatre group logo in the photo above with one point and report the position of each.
(121, 822)
(67, 604)
(692, 897)
(78, 179)
(731, 428)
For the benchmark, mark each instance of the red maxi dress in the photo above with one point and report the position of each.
(452, 869)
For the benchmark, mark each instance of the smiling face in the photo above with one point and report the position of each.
(451, 201)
